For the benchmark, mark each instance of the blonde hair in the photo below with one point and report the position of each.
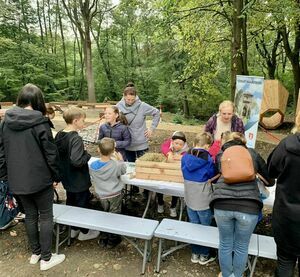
(234, 136)
(73, 113)
(296, 128)
(106, 146)
(203, 139)
(225, 104)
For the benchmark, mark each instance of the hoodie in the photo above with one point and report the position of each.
(136, 117)
(73, 161)
(106, 177)
(28, 151)
(196, 171)
(283, 164)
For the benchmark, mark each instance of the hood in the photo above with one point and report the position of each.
(193, 163)
(20, 119)
(62, 140)
(106, 168)
(130, 109)
(292, 144)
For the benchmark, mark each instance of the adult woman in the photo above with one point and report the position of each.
(236, 208)
(283, 164)
(32, 169)
(224, 120)
(135, 112)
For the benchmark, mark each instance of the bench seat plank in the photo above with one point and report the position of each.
(108, 222)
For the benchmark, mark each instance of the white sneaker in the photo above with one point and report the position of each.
(195, 258)
(160, 209)
(173, 212)
(206, 259)
(74, 233)
(55, 260)
(34, 259)
(91, 234)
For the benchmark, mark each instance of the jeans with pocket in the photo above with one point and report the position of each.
(235, 230)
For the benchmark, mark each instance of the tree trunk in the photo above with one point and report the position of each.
(40, 23)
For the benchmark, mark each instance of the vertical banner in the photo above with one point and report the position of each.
(248, 98)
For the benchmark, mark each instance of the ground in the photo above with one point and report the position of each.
(88, 259)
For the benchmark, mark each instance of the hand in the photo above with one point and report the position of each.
(55, 184)
(119, 156)
(148, 133)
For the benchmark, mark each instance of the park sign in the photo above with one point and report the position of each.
(247, 101)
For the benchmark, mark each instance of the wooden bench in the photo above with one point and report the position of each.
(126, 226)
(189, 233)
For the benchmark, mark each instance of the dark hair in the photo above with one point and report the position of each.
(31, 95)
(121, 117)
(106, 146)
(130, 89)
(50, 110)
(178, 135)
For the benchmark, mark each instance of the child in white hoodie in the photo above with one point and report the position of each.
(105, 174)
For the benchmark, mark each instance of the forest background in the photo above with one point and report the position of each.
(181, 54)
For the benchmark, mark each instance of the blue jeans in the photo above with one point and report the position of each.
(204, 218)
(235, 230)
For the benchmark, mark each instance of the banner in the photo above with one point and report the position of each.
(248, 98)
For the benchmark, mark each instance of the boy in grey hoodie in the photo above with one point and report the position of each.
(105, 174)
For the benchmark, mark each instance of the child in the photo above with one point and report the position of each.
(105, 173)
(116, 128)
(74, 166)
(197, 168)
(173, 149)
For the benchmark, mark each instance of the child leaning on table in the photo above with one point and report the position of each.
(197, 168)
(173, 149)
(105, 173)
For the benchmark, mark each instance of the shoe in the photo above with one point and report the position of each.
(20, 217)
(55, 260)
(160, 209)
(195, 258)
(173, 212)
(206, 259)
(34, 259)
(74, 233)
(91, 234)
(103, 242)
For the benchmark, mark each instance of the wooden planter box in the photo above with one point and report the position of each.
(160, 171)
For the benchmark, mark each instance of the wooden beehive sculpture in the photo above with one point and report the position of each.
(153, 166)
(273, 105)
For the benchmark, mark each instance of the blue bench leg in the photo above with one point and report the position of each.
(57, 238)
(159, 255)
(145, 256)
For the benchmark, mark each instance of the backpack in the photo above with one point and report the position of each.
(237, 165)
(8, 206)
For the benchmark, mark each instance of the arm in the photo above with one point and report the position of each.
(276, 160)
(78, 156)
(262, 169)
(121, 168)
(126, 136)
(210, 125)
(151, 111)
(44, 135)
(3, 168)
(101, 133)
(238, 125)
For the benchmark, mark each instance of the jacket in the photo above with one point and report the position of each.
(136, 117)
(243, 197)
(237, 124)
(284, 164)
(28, 151)
(106, 177)
(196, 171)
(119, 132)
(73, 161)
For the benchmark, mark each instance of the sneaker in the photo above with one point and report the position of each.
(34, 259)
(195, 258)
(74, 233)
(160, 209)
(173, 212)
(91, 234)
(206, 259)
(55, 260)
(20, 216)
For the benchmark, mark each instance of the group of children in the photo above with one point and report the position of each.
(105, 172)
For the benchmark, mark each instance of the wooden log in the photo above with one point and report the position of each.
(273, 105)
(6, 103)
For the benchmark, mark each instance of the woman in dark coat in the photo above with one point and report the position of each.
(29, 155)
(284, 164)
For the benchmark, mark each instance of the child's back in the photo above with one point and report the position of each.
(106, 177)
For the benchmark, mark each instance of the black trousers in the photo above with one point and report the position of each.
(286, 263)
